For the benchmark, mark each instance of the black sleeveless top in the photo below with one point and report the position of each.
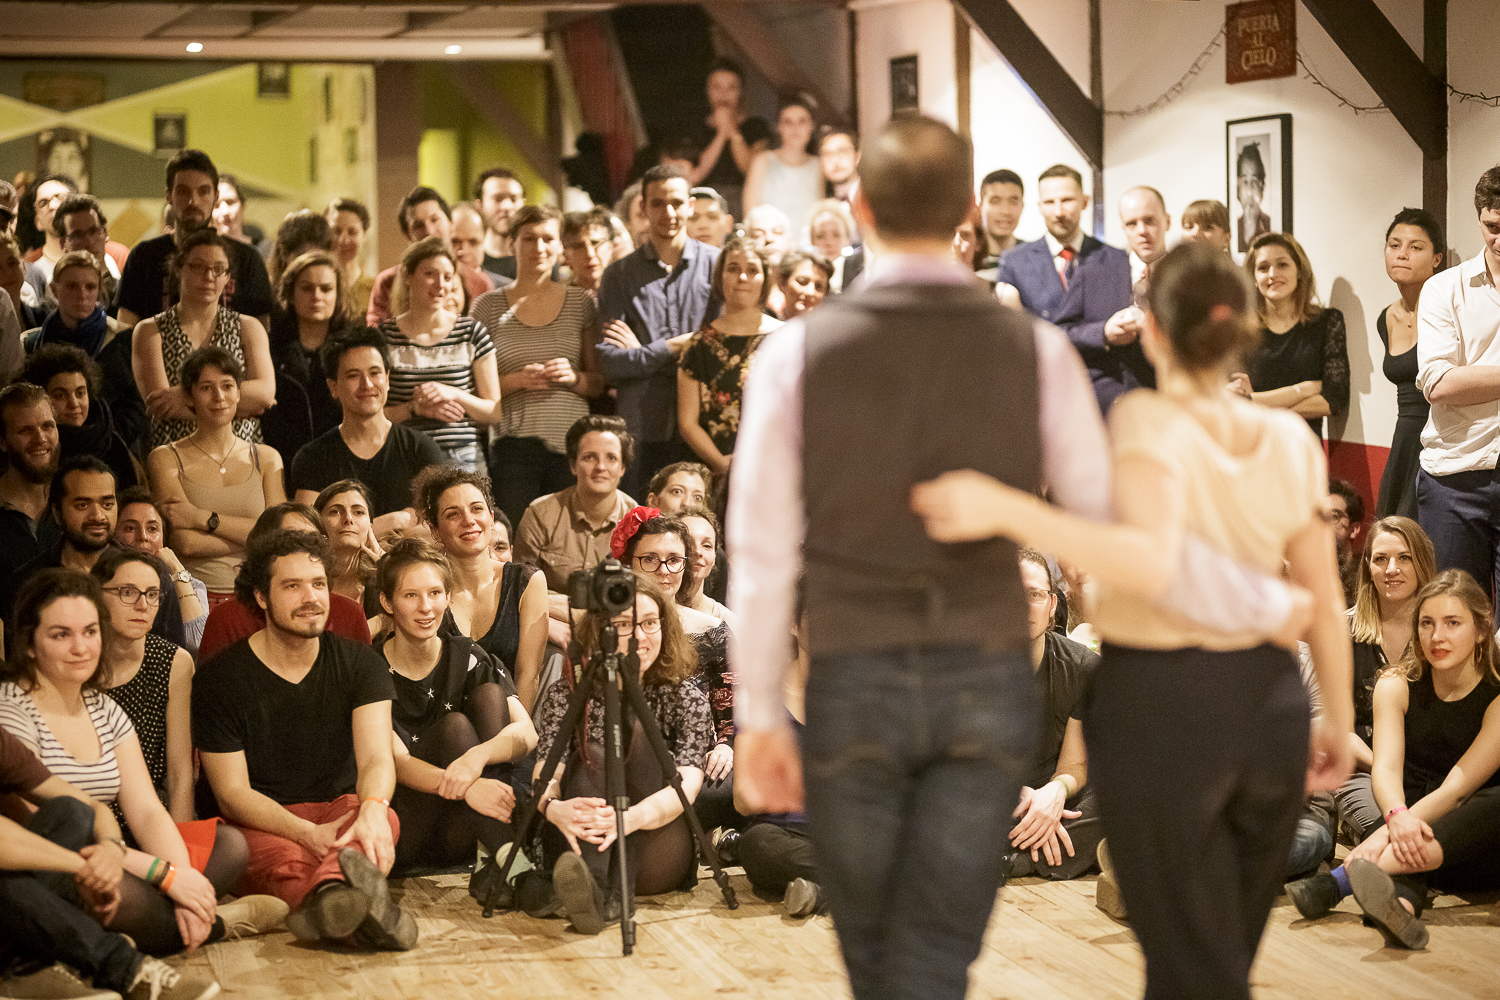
(1401, 371)
(1439, 733)
(504, 637)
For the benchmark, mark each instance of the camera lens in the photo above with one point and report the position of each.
(618, 595)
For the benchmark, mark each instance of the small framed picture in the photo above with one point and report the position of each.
(905, 95)
(273, 79)
(65, 153)
(169, 132)
(1258, 177)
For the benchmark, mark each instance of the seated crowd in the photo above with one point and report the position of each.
(285, 550)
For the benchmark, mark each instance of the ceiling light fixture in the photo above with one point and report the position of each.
(453, 50)
(195, 46)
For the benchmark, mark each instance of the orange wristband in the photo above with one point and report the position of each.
(375, 798)
(166, 882)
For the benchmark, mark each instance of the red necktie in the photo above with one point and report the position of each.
(1067, 254)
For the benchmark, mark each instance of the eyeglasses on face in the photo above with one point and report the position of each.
(131, 595)
(198, 270)
(646, 626)
(651, 562)
(1037, 596)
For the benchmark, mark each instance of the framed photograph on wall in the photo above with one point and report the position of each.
(904, 93)
(65, 152)
(1258, 178)
(169, 132)
(273, 79)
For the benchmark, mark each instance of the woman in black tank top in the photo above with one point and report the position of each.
(1437, 769)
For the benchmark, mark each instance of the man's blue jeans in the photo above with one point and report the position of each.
(914, 761)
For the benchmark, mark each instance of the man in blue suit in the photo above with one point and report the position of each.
(1082, 285)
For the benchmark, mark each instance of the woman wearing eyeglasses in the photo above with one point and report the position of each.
(199, 319)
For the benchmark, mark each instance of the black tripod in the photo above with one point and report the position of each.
(610, 674)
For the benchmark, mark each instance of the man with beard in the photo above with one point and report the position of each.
(145, 286)
(28, 437)
(294, 724)
(81, 498)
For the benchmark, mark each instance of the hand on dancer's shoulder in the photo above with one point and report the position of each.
(963, 506)
(768, 770)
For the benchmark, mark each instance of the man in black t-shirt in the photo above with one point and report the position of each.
(145, 285)
(294, 725)
(367, 446)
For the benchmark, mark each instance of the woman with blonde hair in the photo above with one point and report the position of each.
(1436, 771)
(1302, 364)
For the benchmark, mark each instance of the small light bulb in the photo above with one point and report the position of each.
(195, 46)
(453, 50)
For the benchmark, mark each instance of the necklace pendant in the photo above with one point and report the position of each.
(223, 471)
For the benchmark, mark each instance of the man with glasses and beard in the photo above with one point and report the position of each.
(294, 724)
(81, 498)
(145, 286)
(28, 437)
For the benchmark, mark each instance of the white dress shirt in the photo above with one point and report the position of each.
(1458, 323)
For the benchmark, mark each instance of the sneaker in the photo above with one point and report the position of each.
(55, 982)
(1314, 897)
(1107, 889)
(252, 915)
(157, 980)
(387, 927)
(727, 846)
(804, 898)
(333, 910)
(581, 898)
(1376, 894)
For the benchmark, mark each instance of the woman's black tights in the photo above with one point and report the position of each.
(150, 917)
(438, 832)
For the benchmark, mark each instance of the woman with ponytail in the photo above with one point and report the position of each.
(1198, 740)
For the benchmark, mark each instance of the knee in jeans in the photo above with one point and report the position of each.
(65, 821)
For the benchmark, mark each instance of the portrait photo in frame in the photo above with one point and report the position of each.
(1257, 178)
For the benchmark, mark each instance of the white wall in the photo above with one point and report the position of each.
(888, 29)
(1473, 129)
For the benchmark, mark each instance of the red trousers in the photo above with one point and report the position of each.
(284, 868)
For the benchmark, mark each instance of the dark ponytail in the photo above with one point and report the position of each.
(1200, 300)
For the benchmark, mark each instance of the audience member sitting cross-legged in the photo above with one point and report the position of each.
(294, 727)
(1437, 746)
(53, 700)
(460, 725)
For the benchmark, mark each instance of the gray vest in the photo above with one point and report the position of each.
(901, 383)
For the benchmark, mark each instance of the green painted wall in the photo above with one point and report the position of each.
(479, 146)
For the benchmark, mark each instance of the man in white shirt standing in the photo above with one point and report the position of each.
(1458, 359)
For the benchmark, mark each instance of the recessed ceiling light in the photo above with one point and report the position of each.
(195, 46)
(453, 50)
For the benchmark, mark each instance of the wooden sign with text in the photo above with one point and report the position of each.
(1260, 40)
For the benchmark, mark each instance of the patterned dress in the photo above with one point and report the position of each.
(716, 679)
(144, 698)
(175, 348)
(719, 364)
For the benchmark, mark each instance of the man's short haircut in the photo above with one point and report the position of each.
(62, 179)
(76, 203)
(1206, 213)
(1033, 556)
(298, 230)
(417, 196)
(1487, 191)
(204, 236)
(1157, 194)
(78, 258)
(331, 354)
(917, 176)
(1061, 170)
(352, 206)
(530, 215)
(1002, 176)
(504, 173)
(212, 356)
(192, 159)
(19, 393)
(664, 476)
(597, 423)
(709, 194)
(57, 489)
(660, 174)
(724, 64)
(829, 131)
(270, 519)
(52, 360)
(1422, 219)
(261, 555)
(435, 480)
(681, 148)
(1353, 502)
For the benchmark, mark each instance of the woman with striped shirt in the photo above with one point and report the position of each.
(443, 376)
(544, 334)
(52, 698)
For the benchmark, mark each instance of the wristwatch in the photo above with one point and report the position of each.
(184, 577)
(213, 523)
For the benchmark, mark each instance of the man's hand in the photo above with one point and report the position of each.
(619, 333)
(323, 839)
(492, 798)
(103, 867)
(372, 832)
(1123, 327)
(768, 770)
(102, 906)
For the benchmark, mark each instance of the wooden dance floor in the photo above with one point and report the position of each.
(1046, 941)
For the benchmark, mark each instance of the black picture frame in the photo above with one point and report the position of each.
(168, 133)
(273, 80)
(905, 89)
(1265, 140)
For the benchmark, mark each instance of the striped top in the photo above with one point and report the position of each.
(450, 362)
(540, 413)
(101, 779)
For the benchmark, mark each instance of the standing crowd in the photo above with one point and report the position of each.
(285, 550)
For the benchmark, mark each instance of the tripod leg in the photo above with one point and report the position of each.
(618, 795)
(637, 699)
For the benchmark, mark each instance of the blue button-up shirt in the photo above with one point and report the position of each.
(657, 304)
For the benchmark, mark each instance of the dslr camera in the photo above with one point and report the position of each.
(608, 588)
